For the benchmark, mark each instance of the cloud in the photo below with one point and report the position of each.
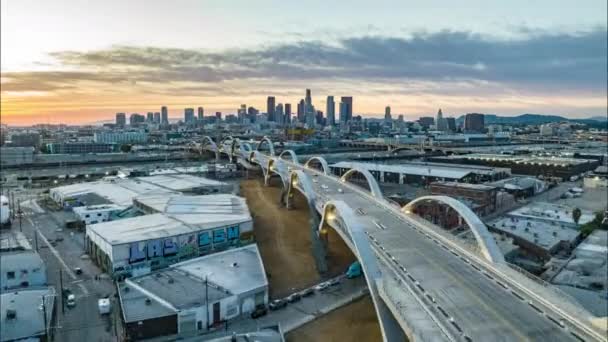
(541, 59)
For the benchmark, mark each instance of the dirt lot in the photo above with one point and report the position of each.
(354, 322)
(283, 237)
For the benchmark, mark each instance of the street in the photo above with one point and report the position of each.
(63, 251)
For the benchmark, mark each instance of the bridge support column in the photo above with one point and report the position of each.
(319, 249)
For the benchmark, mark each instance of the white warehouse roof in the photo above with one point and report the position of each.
(416, 169)
(175, 215)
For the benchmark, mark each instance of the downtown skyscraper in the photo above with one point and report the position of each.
(330, 111)
(164, 115)
(270, 108)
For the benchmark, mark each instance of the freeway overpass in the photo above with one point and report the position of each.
(424, 282)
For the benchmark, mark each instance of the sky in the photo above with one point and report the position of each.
(77, 61)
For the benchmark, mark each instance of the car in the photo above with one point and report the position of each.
(334, 282)
(307, 292)
(324, 186)
(78, 270)
(277, 304)
(71, 300)
(294, 297)
(321, 286)
(340, 190)
(259, 312)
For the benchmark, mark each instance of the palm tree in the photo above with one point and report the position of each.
(576, 215)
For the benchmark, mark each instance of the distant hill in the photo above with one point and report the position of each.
(531, 119)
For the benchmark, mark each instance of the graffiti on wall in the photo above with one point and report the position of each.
(181, 245)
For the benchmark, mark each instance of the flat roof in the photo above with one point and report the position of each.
(177, 215)
(465, 185)
(14, 241)
(536, 232)
(522, 159)
(20, 260)
(551, 212)
(170, 290)
(121, 191)
(418, 170)
(29, 321)
(239, 270)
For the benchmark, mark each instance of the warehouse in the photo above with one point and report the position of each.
(176, 228)
(195, 295)
(121, 191)
(526, 165)
(424, 173)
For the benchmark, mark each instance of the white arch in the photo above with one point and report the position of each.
(371, 181)
(298, 177)
(484, 238)
(208, 141)
(270, 145)
(294, 158)
(355, 238)
(321, 161)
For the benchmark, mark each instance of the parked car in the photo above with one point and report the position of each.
(321, 286)
(78, 270)
(259, 312)
(308, 292)
(334, 282)
(71, 300)
(294, 297)
(277, 304)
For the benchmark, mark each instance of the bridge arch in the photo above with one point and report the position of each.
(270, 145)
(341, 217)
(322, 161)
(292, 154)
(371, 181)
(484, 238)
(207, 141)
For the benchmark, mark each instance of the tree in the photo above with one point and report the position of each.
(576, 215)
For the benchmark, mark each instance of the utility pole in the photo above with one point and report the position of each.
(36, 238)
(20, 213)
(61, 289)
(207, 301)
(46, 330)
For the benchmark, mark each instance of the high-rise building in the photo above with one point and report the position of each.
(121, 119)
(426, 121)
(164, 115)
(157, 117)
(218, 116)
(302, 111)
(331, 111)
(319, 118)
(189, 115)
(287, 120)
(200, 113)
(270, 107)
(451, 123)
(252, 113)
(279, 116)
(149, 117)
(387, 114)
(308, 98)
(440, 123)
(474, 122)
(135, 119)
(348, 102)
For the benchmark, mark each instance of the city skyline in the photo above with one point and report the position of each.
(483, 58)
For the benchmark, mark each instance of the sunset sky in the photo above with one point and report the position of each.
(82, 61)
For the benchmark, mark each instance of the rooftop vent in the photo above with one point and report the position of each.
(234, 264)
(148, 301)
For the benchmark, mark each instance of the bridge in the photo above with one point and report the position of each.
(424, 282)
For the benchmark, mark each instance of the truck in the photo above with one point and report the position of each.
(354, 270)
(5, 212)
(104, 306)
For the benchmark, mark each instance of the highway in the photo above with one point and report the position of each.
(468, 299)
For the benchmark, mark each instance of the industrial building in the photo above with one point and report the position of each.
(484, 196)
(584, 276)
(21, 269)
(424, 173)
(194, 296)
(176, 228)
(526, 164)
(121, 191)
(92, 214)
(23, 315)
